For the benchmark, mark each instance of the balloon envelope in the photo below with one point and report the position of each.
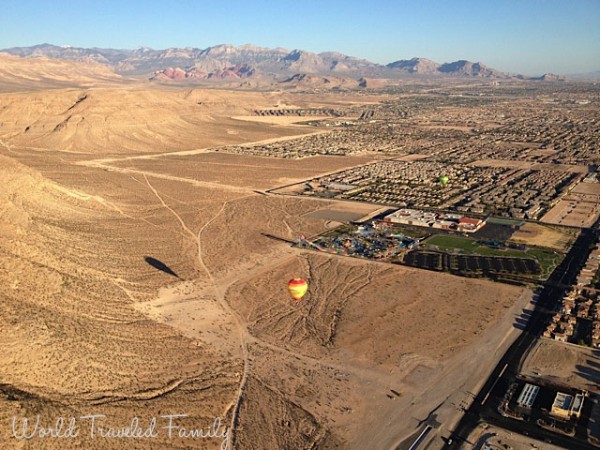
(443, 179)
(297, 288)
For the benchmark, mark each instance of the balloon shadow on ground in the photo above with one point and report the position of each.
(160, 266)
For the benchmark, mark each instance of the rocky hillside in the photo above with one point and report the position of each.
(19, 73)
(470, 69)
(415, 65)
(236, 72)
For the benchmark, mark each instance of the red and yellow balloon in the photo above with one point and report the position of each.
(297, 287)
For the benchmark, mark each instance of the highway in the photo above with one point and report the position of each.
(485, 405)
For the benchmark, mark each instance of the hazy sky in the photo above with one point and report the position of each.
(520, 36)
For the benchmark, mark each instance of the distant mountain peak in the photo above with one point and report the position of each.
(468, 68)
(548, 77)
(415, 65)
(276, 62)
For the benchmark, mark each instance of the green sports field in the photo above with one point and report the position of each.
(547, 259)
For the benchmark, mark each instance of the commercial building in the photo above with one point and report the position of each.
(566, 405)
(431, 219)
(528, 395)
(470, 225)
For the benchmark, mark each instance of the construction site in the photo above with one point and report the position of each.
(553, 406)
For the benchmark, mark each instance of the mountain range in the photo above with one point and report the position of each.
(227, 62)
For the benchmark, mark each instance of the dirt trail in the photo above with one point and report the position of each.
(219, 291)
(205, 184)
(7, 146)
(374, 376)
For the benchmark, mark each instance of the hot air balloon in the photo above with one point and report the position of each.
(444, 180)
(297, 288)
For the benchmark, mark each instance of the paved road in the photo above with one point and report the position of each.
(494, 389)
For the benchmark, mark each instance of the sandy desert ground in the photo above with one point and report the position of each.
(545, 236)
(43, 73)
(137, 282)
(498, 438)
(566, 363)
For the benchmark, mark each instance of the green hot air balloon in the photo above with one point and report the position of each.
(444, 180)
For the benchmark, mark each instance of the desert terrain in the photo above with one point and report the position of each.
(141, 277)
(495, 437)
(565, 363)
(544, 236)
(43, 73)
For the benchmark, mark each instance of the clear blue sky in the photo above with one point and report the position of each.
(521, 36)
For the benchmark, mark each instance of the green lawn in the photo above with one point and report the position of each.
(488, 251)
(448, 242)
(547, 259)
